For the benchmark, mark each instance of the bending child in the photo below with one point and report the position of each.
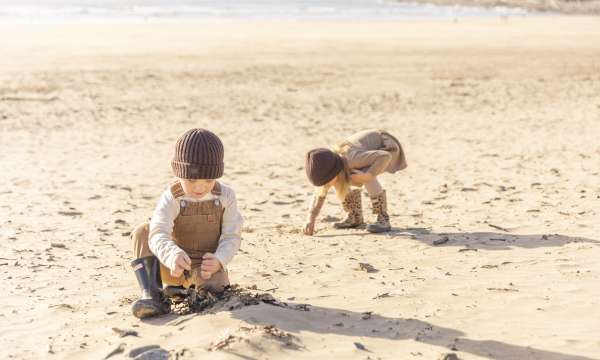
(357, 161)
(194, 231)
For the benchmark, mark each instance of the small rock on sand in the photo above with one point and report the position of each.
(125, 332)
(367, 267)
(116, 351)
(141, 349)
(440, 241)
(360, 346)
(449, 356)
(154, 354)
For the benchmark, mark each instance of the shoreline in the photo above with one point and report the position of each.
(589, 7)
(330, 11)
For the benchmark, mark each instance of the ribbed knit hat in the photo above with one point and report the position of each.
(198, 155)
(322, 165)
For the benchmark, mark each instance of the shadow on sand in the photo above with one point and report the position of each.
(322, 320)
(475, 240)
(342, 322)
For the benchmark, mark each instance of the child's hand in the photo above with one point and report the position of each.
(309, 228)
(182, 262)
(210, 265)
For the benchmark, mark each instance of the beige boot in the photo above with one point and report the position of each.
(382, 224)
(353, 206)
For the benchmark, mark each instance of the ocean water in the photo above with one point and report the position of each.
(132, 11)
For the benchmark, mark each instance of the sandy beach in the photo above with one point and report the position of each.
(500, 122)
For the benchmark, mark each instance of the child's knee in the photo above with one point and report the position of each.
(139, 237)
(140, 232)
(386, 157)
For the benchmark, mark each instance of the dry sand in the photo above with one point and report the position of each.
(500, 121)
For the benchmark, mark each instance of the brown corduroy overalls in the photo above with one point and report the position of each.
(196, 231)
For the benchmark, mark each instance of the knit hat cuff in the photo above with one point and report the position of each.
(329, 176)
(185, 170)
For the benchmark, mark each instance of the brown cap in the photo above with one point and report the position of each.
(198, 155)
(322, 165)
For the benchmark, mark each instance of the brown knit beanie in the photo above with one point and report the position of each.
(198, 155)
(322, 165)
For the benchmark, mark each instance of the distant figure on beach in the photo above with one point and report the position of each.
(357, 161)
(195, 230)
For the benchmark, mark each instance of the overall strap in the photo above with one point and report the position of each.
(177, 190)
(217, 189)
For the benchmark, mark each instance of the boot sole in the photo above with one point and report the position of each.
(143, 309)
(337, 226)
(376, 230)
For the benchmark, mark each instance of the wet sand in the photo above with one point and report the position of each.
(581, 7)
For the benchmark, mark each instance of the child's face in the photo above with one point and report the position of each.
(197, 188)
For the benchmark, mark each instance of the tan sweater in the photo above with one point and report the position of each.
(373, 151)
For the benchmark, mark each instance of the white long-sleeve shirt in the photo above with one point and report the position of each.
(167, 210)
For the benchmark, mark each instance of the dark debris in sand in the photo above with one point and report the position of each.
(232, 298)
(248, 335)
